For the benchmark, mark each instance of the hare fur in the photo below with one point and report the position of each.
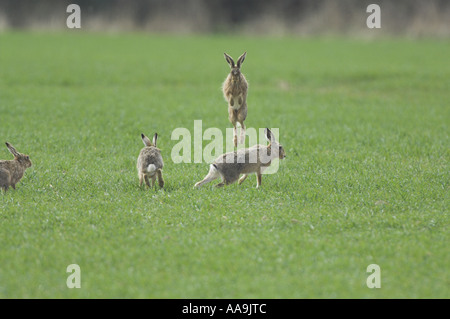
(150, 163)
(12, 171)
(235, 90)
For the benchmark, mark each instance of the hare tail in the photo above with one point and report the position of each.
(151, 168)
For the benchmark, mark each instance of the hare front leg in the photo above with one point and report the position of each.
(141, 179)
(230, 100)
(226, 181)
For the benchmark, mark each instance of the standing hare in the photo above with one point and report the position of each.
(235, 92)
(12, 171)
(150, 162)
(245, 161)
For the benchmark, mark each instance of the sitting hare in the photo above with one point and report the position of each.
(150, 162)
(245, 161)
(235, 92)
(12, 171)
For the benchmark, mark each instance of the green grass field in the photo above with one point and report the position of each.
(366, 178)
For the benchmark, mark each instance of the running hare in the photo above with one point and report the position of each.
(150, 162)
(12, 171)
(245, 161)
(235, 92)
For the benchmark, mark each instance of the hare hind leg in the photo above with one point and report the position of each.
(212, 175)
(232, 116)
(160, 178)
(242, 179)
(258, 179)
(153, 180)
(147, 181)
(242, 136)
(5, 179)
(235, 136)
(240, 117)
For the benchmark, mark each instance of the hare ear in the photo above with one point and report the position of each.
(146, 140)
(229, 60)
(12, 149)
(241, 59)
(155, 138)
(269, 135)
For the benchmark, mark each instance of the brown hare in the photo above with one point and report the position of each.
(245, 161)
(150, 162)
(235, 92)
(11, 172)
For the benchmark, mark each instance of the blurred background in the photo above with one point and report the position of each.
(282, 17)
